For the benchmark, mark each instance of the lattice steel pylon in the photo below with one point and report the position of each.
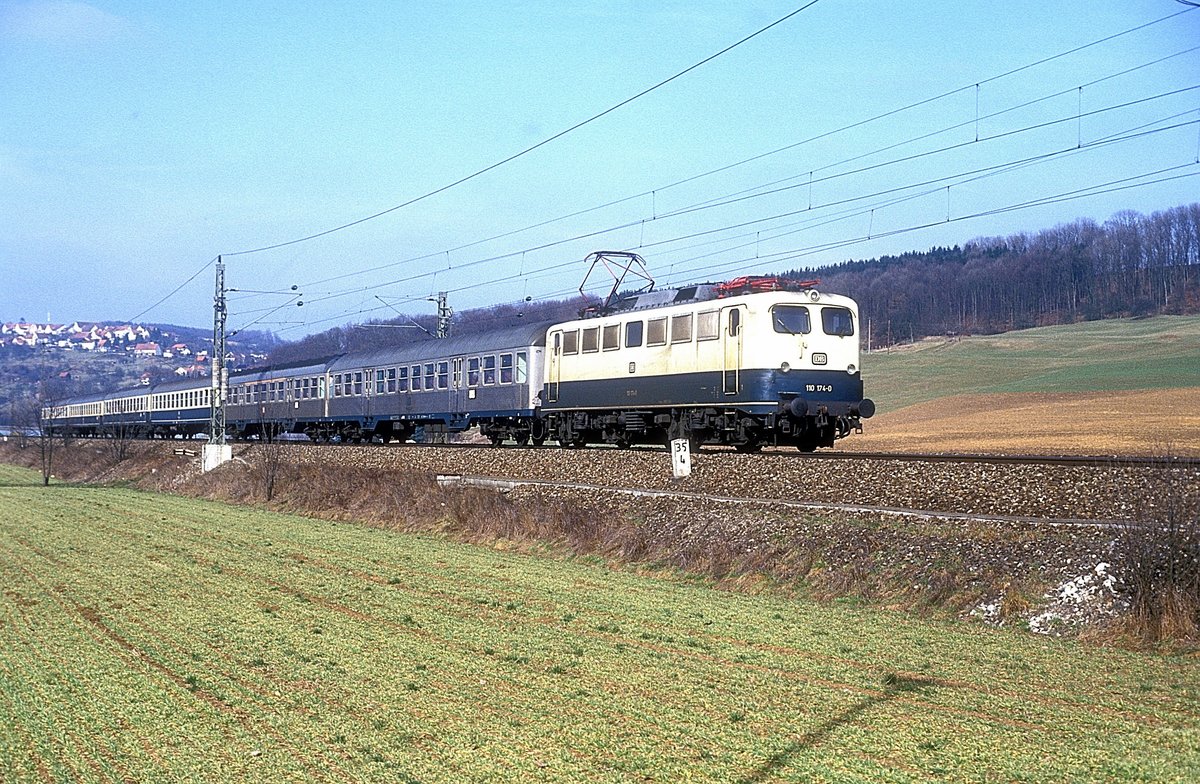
(216, 422)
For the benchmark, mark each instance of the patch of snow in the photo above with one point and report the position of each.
(1086, 598)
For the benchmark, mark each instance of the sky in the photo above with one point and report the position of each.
(139, 141)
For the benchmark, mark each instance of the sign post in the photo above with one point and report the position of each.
(681, 458)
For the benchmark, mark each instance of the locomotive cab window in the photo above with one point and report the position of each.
(633, 334)
(791, 319)
(837, 321)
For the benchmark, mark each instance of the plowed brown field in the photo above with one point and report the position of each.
(1151, 422)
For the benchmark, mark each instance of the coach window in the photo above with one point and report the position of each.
(506, 369)
(443, 375)
(473, 372)
(429, 377)
(380, 382)
(681, 328)
(391, 380)
(591, 340)
(321, 388)
(571, 342)
(611, 338)
(416, 378)
(837, 321)
(708, 325)
(402, 379)
(522, 367)
(791, 319)
(633, 334)
(358, 383)
(489, 370)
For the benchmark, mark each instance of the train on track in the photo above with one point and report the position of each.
(747, 363)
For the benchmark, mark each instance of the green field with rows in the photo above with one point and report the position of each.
(1114, 354)
(148, 637)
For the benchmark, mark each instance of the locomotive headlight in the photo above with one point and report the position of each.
(785, 367)
(814, 295)
(851, 368)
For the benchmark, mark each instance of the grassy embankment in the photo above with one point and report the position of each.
(150, 637)
(1094, 356)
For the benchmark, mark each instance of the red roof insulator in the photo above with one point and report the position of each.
(753, 284)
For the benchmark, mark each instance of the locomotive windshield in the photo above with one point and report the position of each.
(837, 321)
(791, 319)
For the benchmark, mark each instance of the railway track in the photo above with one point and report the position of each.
(504, 484)
(1101, 461)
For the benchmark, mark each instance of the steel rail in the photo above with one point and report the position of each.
(505, 484)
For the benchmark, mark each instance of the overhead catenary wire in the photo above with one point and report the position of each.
(973, 85)
(716, 204)
(653, 192)
(533, 147)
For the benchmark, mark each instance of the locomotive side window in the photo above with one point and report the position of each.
(837, 321)
(570, 343)
(591, 340)
(656, 332)
(506, 368)
(681, 328)
(489, 370)
(633, 334)
(612, 337)
(708, 325)
(791, 319)
(522, 367)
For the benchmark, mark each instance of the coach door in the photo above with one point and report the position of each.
(457, 387)
(555, 371)
(731, 342)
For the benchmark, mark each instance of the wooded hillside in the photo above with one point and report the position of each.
(1131, 265)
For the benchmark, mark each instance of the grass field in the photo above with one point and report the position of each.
(156, 638)
(1119, 354)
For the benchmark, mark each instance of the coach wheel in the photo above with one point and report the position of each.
(749, 447)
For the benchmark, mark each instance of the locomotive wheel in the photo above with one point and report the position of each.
(749, 447)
